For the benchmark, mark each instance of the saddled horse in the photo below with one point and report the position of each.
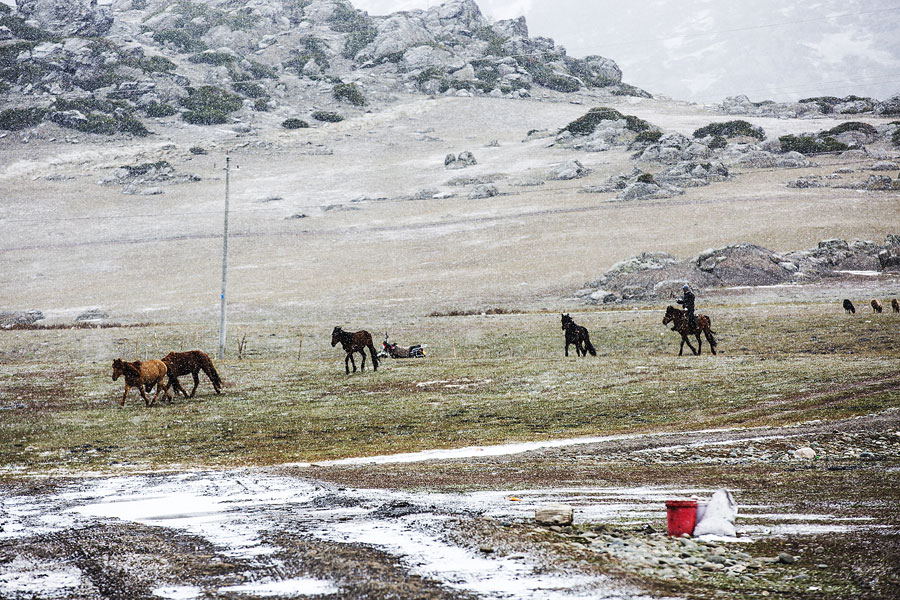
(190, 363)
(578, 335)
(681, 325)
(142, 373)
(356, 341)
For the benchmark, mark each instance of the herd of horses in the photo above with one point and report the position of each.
(163, 374)
(877, 306)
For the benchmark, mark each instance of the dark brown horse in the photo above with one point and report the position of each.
(192, 362)
(578, 335)
(681, 325)
(139, 374)
(352, 342)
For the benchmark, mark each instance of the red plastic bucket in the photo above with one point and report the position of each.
(681, 516)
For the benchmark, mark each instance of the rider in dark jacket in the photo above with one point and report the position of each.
(687, 301)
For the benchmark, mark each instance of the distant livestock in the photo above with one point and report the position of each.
(876, 306)
(848, 306)
(190, 363)
(139, 374)
(356, 341)
(682, 326)
(578, 335)
(895, 305)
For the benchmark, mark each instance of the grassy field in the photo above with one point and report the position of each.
(488, 379)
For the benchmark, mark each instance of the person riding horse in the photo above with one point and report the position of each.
(687, 301)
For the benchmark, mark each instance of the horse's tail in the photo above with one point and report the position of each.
(373, 353)
(588, 345)
(210, 370)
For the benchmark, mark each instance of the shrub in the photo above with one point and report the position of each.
(730, 129)
(349, 92)
(495, 40)
(895, 137)
(16, 119)
(159, 109)
(327, 116)
(103, 124)
(151, 64)
(250, 89)
(22, 31)
(212, 58)
(852, 126)
(262, 105)
(807, 144)
(261, 71)
(197, 150)
(357, 40)
(346, 19)
(293, 123)
(586, 124)
(717, 142)
(206, 116)
(209, 97)
(144, 168)
(426, 75)
(648, 136)
(182, 40)
(646, 178)
(311, 48)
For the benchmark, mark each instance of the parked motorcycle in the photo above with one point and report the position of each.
(395, 351)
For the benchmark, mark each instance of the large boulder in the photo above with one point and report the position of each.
(67, 17)
(397, 33)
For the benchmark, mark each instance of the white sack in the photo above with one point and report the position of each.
(718, 519)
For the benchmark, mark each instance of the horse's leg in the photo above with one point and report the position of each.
(681, 347)
(196, 382)
(567, 347)
(699, 344)
(347, 364)
(144, 396)
(362, 365)
(709, 338)
(685, 339)
(127, 387)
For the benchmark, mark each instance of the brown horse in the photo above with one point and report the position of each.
(139, 374)
(190, 363)
(352, 342)
(876, 305)
(895, 305)
(682, 326)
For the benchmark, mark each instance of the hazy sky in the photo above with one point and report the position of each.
(705, 50)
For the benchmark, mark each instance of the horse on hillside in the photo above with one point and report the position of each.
(848, 306)
(352, 342)
(578, 335)
(192, 362)
(139, 374)
(895, 305)
(682, 326)
(876, 305)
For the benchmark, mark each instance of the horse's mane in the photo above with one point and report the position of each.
(134, 367)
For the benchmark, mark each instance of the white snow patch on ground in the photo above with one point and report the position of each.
(285, 587)
(482, 451)
(21, 578)
(178, 592)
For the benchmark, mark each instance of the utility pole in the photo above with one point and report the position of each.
(221, 351)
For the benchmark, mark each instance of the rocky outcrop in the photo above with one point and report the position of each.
(67, 17)
(658, 275)
(19, 318)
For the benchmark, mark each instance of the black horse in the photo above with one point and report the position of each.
(848, 306)
(356, 341)
(578, 335)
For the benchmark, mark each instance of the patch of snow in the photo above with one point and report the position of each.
(285, 587)
(178, 592)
